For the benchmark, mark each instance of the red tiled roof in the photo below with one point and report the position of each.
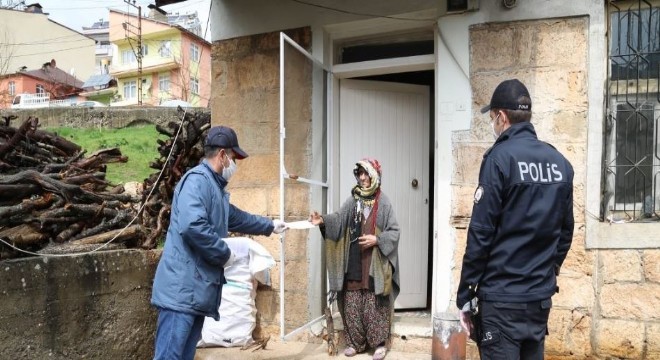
(54, 74)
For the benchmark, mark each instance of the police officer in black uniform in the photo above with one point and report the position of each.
(520, 232)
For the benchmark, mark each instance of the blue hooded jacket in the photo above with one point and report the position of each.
(190, 273)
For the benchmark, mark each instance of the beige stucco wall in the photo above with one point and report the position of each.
(608, 300)
(49, 40)
(246, 97)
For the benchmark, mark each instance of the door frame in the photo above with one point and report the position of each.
(382, 67)
(409, 298)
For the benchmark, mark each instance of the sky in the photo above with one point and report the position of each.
(78, 13)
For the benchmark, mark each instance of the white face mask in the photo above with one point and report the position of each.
(492, 125)
(230, 170)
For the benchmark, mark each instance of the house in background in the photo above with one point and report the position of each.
(188, 21)
(99, 31)
(28, 37)
(101, 88)
(48, 79)
(176, 64)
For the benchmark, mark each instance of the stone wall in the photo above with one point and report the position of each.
(246, 98)
(607, 304)
(101, 117)
(93, 306)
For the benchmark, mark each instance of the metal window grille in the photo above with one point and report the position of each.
(632, 152)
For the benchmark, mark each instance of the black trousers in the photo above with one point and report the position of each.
(514, 331)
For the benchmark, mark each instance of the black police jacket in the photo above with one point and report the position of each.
(522, 220)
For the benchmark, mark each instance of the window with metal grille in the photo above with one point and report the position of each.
(632, 148)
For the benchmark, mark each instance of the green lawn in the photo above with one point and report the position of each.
(137, 142)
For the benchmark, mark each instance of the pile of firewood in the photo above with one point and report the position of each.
(55, 200)
(176, 157)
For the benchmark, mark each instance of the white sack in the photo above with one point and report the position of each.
(252, 263)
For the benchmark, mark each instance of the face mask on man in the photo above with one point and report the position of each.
(492, 125)
(228, 171)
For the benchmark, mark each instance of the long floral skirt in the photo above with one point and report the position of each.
(366, 320)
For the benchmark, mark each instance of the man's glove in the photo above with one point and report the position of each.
(279, 226)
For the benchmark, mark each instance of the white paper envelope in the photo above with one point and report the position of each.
(300, 225)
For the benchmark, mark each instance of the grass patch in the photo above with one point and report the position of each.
(138, 143)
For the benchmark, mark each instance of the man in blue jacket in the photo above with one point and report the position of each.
(520, 232)
(190, 275)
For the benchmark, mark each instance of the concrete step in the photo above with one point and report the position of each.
(412, 338)
(276, 349)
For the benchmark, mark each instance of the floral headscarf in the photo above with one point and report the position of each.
(372, 167)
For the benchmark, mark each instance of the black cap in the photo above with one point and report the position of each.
(507, 96)
(224, 137)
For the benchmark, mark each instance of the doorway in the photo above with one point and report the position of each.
(389, 117)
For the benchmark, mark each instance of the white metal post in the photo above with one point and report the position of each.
(282, 136)
(284, 175)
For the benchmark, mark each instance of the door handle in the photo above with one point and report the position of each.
(414, 183)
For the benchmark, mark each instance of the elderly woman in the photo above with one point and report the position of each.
(362, 260)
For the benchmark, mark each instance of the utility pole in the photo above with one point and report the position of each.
(138, 54)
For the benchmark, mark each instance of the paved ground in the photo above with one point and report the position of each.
(290, 350)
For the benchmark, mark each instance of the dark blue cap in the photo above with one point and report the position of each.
(508, 95)
(224, 137)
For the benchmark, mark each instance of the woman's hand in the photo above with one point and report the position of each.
(368, 241)
(315, 218)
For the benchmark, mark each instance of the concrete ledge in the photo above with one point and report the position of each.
(93, 306)
(102, 117)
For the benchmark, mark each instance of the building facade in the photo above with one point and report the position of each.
(49, 80)
(30, 38)
(175, 64)
(591, 68)
(100, 32)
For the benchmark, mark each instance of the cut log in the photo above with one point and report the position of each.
(17, 192)
(22, 235)
(25, 207)
(68, 248)
(67, 191)
(119, 235)
(30, 125)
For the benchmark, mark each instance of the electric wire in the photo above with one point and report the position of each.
(361, 13)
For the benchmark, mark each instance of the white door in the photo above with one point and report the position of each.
(390, 122)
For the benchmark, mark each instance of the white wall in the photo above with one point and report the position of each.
(45, 40)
